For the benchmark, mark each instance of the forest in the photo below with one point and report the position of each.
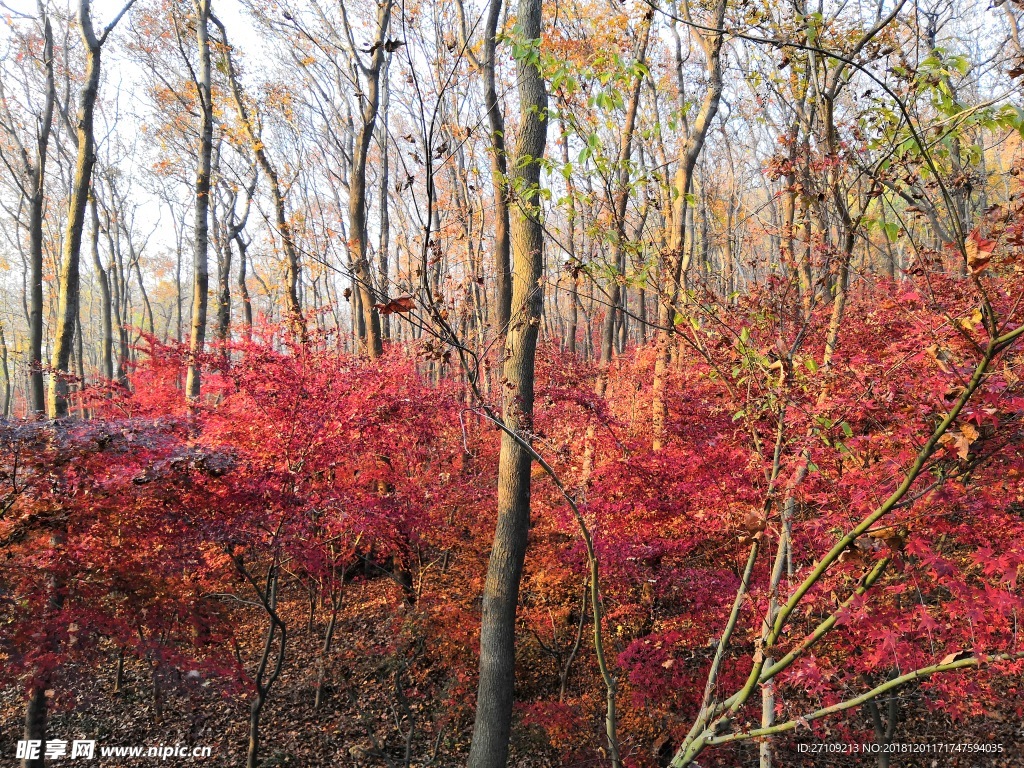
(613, 383)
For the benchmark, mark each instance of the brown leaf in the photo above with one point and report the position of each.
(401, 304)
(958, 656)
(753, 522)
(979, 251)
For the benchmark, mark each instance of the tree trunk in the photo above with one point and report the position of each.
(243, 289)
(223, 288)
(5, 403)
(619, 206)
(68, 287)
(499, 172)
(35, 724)
(106, 329)
(37, 203)
(201, 274)
(373, 344)
(293, 266)
(493, 723)
(676, 265)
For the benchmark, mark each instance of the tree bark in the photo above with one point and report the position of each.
(68, 287)
(5, 403)
(616, 292)
(373, 344)
(201, 273)
(106, 328)
(37, 178)
(499, 173)
(293, 266)
(676, 264)
(495, 694)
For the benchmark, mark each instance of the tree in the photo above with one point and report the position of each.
(677, 261)
(496, 689)
(280, 214)
(31, 177)
(203, 185)
(68, 287)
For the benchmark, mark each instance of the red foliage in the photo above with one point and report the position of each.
(122, 530)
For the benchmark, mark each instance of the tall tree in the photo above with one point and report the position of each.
(504, 570)
(369, 102)
(31, 177)
(677, 262)
(284, 228)
(201, 266)
(68, 287)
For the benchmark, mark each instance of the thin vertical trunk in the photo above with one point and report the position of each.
(293, 266)
(223, 288)
(201, 274)
(243, 288)
(499, 173)
(676, 264)
(384, 243)
(572, 272)
(5, 371)
(619, 206)
(106, 329)
(370, 99)
(68, 286)
(35, 723)
(495, 694)
(137, 269)
(37, 178)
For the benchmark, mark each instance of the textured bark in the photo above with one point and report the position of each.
(293, 266)
(28, 167)
(370, 105)
(676, 264)
(69, 281)
(201, 273)
(223, 325)
(243, 288)
(35, 723)
(499, 173)
(495, 694)
(5, 371)
(616, 293)
(37, 178)
(106, 327)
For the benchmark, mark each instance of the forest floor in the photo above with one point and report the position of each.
(365, 719)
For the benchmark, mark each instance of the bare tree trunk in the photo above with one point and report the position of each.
(493, 723)
(370, 100)
(201, 274)
(384, 244)
(35, 724)
(37, 177)
(677, 264)
(5, 403)
(223, 329)
(293, 267)
(68, 288)
(619, 206)
(243, 289)
(106, 329)
(499, 173)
